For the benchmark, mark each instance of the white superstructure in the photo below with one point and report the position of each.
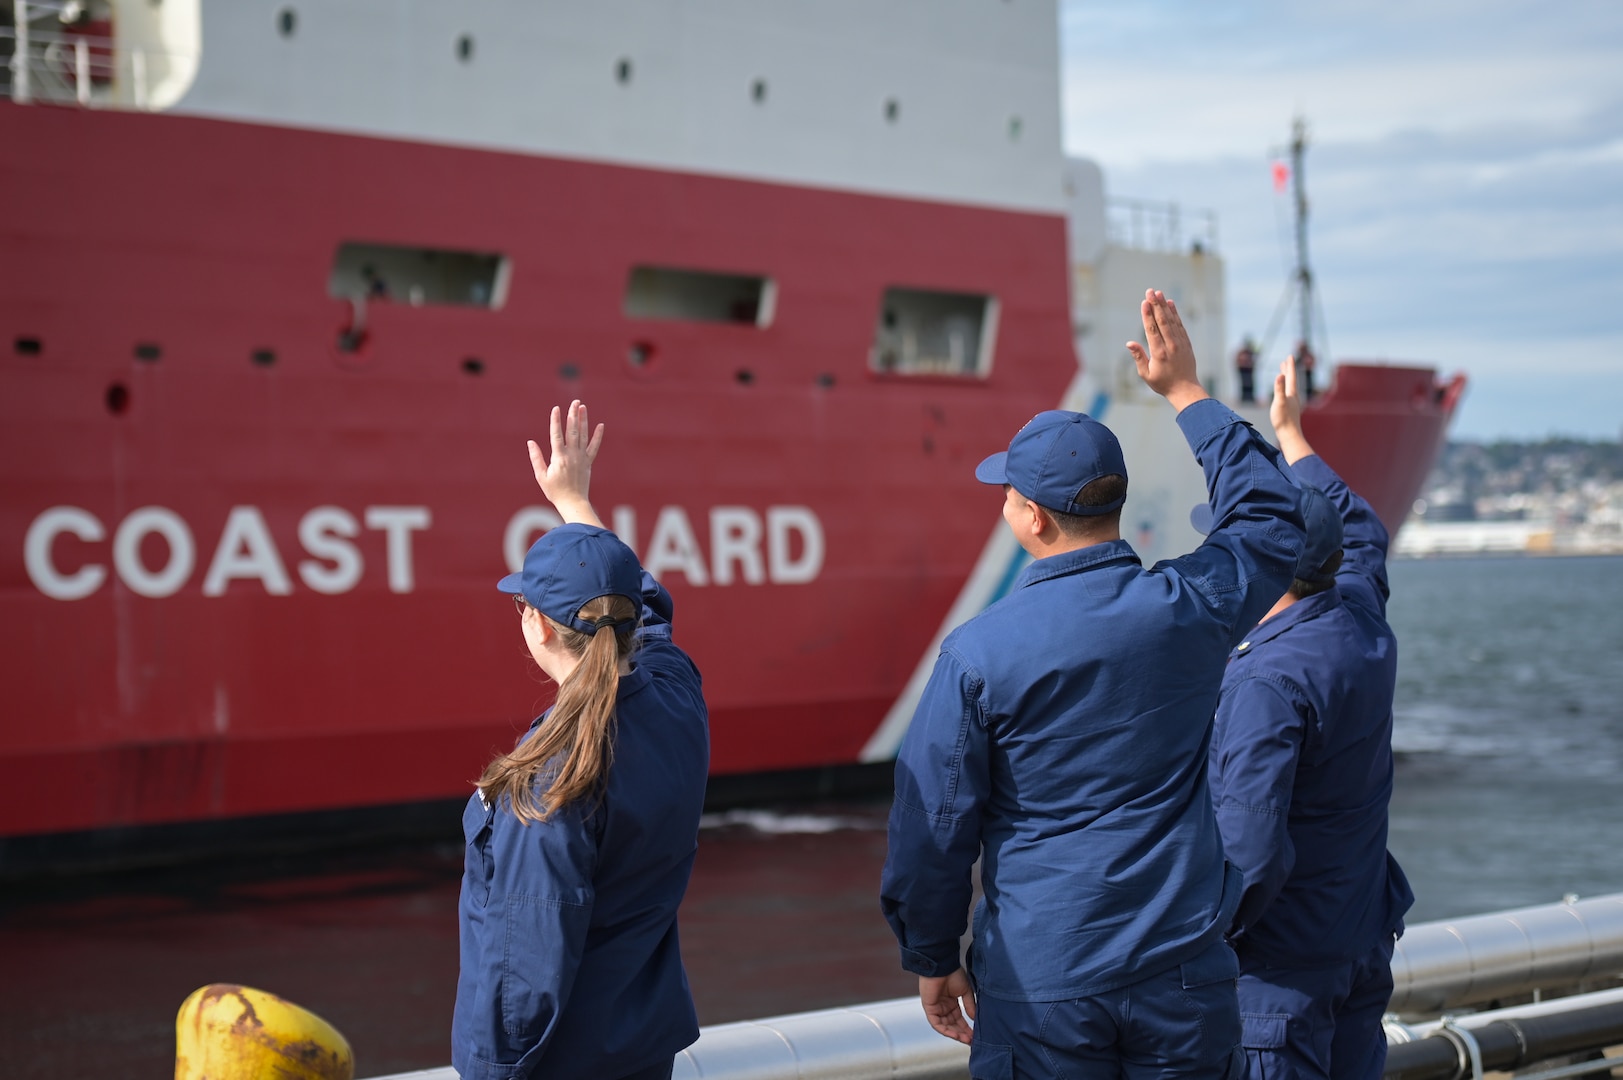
(950, 101)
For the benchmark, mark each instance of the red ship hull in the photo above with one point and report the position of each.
(171, 345)
(218, 243)
(1381, 426)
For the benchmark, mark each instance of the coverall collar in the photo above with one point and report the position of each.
(629, 684)
(1076, 561)
(1309, 607)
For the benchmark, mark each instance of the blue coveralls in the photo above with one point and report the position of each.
(570, 960)
(1062, 738)
(1301, 774)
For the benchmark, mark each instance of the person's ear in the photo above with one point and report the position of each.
(1039, 518)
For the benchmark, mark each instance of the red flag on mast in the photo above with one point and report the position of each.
(1282, 176)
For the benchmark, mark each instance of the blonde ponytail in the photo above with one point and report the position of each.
(572, 749)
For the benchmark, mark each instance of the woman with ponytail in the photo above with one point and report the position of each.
(581, 839)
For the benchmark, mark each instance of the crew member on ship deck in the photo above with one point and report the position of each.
(1301, 774)
(1306, 362)
(1245, 362)
(1062, 738)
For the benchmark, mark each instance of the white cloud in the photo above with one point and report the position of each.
(1466, 175)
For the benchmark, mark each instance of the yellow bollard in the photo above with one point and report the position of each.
(227, 1032)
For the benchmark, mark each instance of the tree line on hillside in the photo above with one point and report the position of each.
(1550, 467)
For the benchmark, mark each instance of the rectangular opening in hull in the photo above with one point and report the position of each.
(923, 332)
(662, 292)
(417, 276)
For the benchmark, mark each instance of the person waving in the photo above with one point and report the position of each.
(580, 841)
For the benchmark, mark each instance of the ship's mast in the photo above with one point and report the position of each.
(1304, 276)
(1299, 286)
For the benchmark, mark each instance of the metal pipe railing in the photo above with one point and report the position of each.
(1437, 965)
(1507, 1038)
(884, 1040)
(1446, 964)
(878, 1041)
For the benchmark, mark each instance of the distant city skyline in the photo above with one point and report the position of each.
(1465, 177)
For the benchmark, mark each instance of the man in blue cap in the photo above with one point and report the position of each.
(1062, 739)
(1301, 775)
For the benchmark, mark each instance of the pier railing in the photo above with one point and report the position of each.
(1451, 964)
(1507, 954)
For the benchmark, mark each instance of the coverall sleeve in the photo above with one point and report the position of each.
(1257, 742)
(942, 781)
(1362, 577)
(1249, 557)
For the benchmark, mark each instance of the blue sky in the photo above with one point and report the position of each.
(1465, 176)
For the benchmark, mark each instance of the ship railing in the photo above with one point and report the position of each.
(1527, 955)
(55, 65)
(1147, 225)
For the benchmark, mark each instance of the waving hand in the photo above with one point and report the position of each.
(567, 478)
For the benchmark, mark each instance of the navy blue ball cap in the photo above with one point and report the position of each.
(1324, 536)
(570, 566)
(1054, 457)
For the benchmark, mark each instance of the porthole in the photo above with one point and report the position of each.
(1014, 128)
(567, 370)
(758, 91)
(826, 380)
(148, 351)
(640, 354)
(118, 399)
(464, 48)
(473, 366)
(28, 346)
(263, 357)
(893, 110)
(622, 72)
(286, 22)
(744, 376)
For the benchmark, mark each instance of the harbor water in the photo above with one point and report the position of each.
(1509, 730)
(1509, 792)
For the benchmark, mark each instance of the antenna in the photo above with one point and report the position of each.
(1299, 286)
(1304, 276)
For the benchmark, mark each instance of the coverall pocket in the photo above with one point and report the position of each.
(1263, 1036)
(1263, 1031)
(989, 1061)
(480, 867)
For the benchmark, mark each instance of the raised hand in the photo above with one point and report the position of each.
(1167, 365)
(1285, 413)
(566, 479)
(941, 999)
